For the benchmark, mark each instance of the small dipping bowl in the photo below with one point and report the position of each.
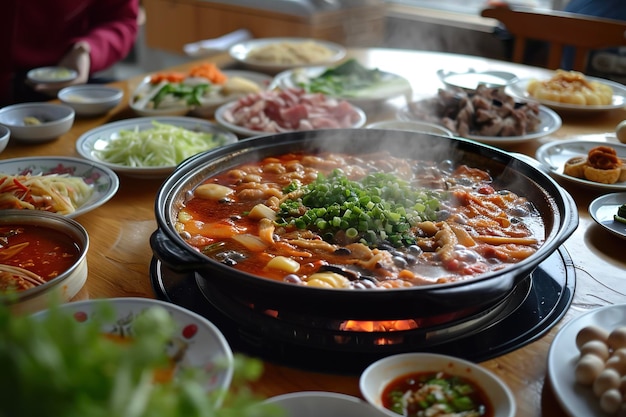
(5, 134)
(471, 80)
(322, 403)
(37, 122)
(67, 283)
(91, 99)
(415, 126)
(51, 75)
(378, 376)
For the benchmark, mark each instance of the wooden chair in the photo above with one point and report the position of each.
(558, 29)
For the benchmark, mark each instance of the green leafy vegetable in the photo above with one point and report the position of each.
(54, 366)
(162, 145)
(351, 79)
(379, 208)
(190, 93)
(437, 393)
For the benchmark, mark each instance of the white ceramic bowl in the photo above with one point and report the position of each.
(91, 99)
(196, 343)
(414, 126)
(65, 285)
(377, 376)
(321, 403)
(5, 134)
(51, 75)
(471, 80)
(55, 120)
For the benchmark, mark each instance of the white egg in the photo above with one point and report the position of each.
(618, 363)
(610, 401)
(588, 333)
(608, 379)
(620, 131)
(596, 347)
(617, 338)
(622, 386)
(588, 368)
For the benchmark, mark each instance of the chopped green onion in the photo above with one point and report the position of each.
(379, 208)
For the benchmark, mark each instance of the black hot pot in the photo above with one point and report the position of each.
(518, 175)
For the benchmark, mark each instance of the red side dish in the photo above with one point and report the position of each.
(436, 394)
(42, 251)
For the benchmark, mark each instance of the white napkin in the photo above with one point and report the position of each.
(215, 45)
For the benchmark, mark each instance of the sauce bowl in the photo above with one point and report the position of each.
(67, 283)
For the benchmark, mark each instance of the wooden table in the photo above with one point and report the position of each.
(119, 255)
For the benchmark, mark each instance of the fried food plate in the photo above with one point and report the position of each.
(554, 155)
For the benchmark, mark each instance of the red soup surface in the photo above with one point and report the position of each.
(41, 250)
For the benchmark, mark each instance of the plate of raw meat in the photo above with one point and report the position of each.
(287, 110)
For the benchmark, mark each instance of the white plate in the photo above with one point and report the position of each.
(390, 86)
(577, 400)
(553, 156)
(619, 97)
(243, 132)
(602, 210)
(91, 142)
(209, 104)
(550, 122)
(240, 52)
(197, 342)
(104, 181)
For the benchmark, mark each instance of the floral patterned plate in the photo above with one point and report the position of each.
(196, 342)
(103, 180)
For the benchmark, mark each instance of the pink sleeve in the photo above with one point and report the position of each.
(113, 33)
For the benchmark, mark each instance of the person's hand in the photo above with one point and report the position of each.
(78, 59)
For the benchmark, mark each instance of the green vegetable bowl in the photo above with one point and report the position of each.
(464, 385)
(151, 147)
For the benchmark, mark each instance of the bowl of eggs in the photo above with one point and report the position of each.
(587, 363)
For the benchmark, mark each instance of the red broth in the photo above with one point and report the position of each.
(42, 250)
(467, 225)
(419, 390)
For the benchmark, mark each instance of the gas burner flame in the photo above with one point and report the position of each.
(378, 326)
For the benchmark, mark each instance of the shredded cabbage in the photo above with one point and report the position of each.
(161, 145)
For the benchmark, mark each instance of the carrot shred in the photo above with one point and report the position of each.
(172, 77)
(210, 71)
(207, 70)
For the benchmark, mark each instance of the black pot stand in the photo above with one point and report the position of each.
(533, 308)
